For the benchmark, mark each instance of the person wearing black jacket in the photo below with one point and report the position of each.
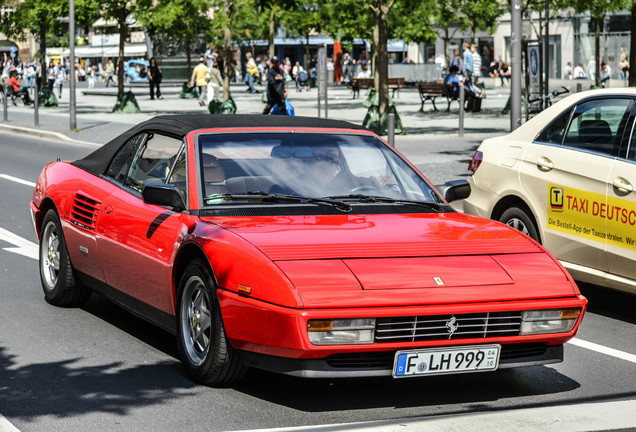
(154, 78)
(275, 88)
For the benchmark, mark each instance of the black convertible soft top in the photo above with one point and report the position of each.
(179, 126)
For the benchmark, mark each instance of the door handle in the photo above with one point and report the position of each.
(545, 164)
(622, 185)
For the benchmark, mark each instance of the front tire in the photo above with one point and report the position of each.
(61, 287)
(203, 345)
(519, 219)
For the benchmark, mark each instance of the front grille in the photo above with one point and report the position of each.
(447, 327)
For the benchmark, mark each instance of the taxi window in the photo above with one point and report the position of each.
(631, 151)
(595, 125)
(554, 133)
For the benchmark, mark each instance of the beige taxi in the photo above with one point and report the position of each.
(566, 178)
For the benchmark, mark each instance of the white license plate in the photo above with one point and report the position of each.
(436, 361)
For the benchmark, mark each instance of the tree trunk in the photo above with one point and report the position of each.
(188, 48)
(447, 47)
(381, 56)
(122, 42)
(597, 52)
(632, 47)
(228, 7)
(272, 32)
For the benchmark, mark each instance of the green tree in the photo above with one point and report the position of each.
(303, 20)
(36, 17)
(477, 15)
(185, 19)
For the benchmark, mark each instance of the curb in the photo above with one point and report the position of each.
(44, 134)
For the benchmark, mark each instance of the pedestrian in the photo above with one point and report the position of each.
(51, 72)
(210, 56)
(60, 77)
(606, 73)
(623, 67)
(14, 83)
(90, 76)
(29, 77)
(215, 81)
(365, 72)
(579, 72)
(591, 68)
(251, 73)
(567, 71)
(348, 67)
(476, 62)
(198, 79)
(468, 62)
(154, 78)
(109, 73)
(275, 88)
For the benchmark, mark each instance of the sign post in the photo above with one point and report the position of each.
(534, 81)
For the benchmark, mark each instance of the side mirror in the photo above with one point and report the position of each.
(454, 190)
(164, 195)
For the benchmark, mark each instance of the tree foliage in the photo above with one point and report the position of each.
(36, 17)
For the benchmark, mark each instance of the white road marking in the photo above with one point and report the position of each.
(604, 350)
(568, 418)
(17, 180)
(22, 246)
(6, 426)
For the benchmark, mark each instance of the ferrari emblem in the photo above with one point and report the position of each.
(451, 326)
(438, 281)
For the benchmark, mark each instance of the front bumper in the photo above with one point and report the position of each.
(381, 363)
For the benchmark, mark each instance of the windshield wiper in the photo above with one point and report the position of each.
(382, 199)
(274, 197)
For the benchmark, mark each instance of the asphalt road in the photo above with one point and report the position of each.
(100, 368)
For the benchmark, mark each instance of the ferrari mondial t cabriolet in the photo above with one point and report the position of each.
(303, 246)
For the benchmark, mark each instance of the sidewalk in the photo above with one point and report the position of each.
(431, 141)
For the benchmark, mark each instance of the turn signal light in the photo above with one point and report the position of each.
(244, 290)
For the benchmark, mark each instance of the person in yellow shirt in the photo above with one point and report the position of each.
(199, 79)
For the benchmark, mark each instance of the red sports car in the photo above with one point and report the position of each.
(298, 245)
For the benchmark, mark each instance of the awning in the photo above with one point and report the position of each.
(138, 50)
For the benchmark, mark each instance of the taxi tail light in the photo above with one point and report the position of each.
(549, 321)
(475, 162)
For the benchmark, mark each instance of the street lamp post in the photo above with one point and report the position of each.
(515, 79)
(71, 44)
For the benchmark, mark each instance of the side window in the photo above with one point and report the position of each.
(554, 133)
(153, 162)
(595, 124)
(121, 163)
(631, 151)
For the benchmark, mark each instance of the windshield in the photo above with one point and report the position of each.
(237, 167)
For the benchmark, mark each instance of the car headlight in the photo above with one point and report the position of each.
(341, 331)
(548, 321)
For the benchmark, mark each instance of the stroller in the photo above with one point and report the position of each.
(302, 80)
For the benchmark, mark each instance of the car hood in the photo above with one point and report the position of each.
(403, 259)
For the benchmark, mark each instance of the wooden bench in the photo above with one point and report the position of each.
(395, 84)
(429, 91)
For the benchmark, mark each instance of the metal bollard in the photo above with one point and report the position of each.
(461, 111)
(579, 87)
(391, 132)
(4, 103)
(36, 104)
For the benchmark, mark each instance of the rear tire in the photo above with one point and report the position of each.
(519, 219)
(203, 345)
(61, 287)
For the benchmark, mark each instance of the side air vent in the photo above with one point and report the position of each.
(84, 211)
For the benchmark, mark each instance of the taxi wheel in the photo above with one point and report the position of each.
(203, 345)
(519, 219)
(61, 286)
